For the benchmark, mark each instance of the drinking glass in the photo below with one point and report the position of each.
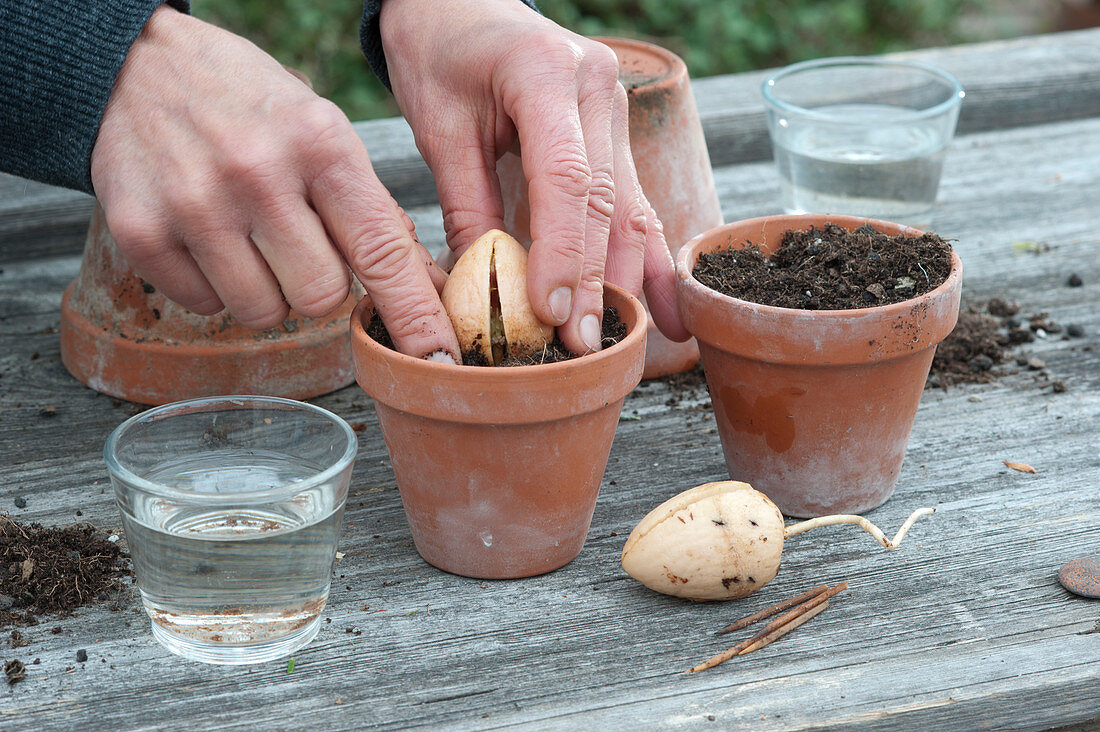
(232, 508)
(861, 136)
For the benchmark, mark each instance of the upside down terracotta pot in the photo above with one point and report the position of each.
(814, 407)
(122, 337)
(499, 467)
(670, 155)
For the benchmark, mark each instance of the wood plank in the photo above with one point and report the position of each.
(1009, 83)
(963, 626)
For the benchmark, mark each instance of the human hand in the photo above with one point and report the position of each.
(227, 182)
(474, 79)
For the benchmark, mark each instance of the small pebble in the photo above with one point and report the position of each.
(1075, 330)
(1036, 364)
(981, 362)
(1074, 280)
(113, 538)
(81, 656)
(1058, 387)
(975, 398)
(20, 502)
(1081, 576)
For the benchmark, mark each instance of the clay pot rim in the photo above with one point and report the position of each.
(501, 376)
(812, 337)
(495, 396)
(121, 340)
(688, 255)
(677, 68)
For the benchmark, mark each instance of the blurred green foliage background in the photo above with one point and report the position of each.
(321, 37)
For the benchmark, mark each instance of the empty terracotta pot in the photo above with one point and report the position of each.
(814, 407)
(122, 337)
(499, 467)
(670, 154)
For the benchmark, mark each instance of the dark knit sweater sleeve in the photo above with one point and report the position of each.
(370, 37)
(58, 63)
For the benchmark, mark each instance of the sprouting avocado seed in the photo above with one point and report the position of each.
(721, 541)
(486, 299)
(716, 541)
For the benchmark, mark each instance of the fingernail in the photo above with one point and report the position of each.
(440, 356)
(561, 304)
(590, 332)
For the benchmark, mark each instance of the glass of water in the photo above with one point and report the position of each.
(861, 136)
(232, 508)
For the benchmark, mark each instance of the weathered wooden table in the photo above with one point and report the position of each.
(963, 627)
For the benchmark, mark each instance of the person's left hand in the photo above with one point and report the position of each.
(473, 79)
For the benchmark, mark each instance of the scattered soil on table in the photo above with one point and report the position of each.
(613, 330)
(987, 344)
(686, 386)
(830, 268)
(53, 570)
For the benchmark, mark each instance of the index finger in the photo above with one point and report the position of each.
(369, 229)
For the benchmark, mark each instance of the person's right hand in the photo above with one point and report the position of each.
(227, 182)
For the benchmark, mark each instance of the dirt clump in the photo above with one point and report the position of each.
(53, 570)
(983, 346)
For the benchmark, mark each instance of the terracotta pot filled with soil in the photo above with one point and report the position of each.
(673, 164)
(499, 466)
(817, 359)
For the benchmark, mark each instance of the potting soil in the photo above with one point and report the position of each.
(830, 268)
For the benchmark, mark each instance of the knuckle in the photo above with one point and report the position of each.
(601, 63)
(137, 235)
(322, 122)
(261, 315)
(191, 201)
(251, 163)
(379, 259)
(632, 225)
(321, 296)
(570, 174)
(555, 50)
(601, 194)
(591, 282)
(462, 226)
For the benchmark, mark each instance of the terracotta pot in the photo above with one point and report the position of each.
(499, 468)
(814, 407)
(670, 154)
(121, 337)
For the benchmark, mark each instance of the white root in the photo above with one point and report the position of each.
(860, 521)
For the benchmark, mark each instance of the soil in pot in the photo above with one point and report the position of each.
(613, 330)
(830, 268)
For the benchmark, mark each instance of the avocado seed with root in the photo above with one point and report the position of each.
(721, 541)
(486, 299)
